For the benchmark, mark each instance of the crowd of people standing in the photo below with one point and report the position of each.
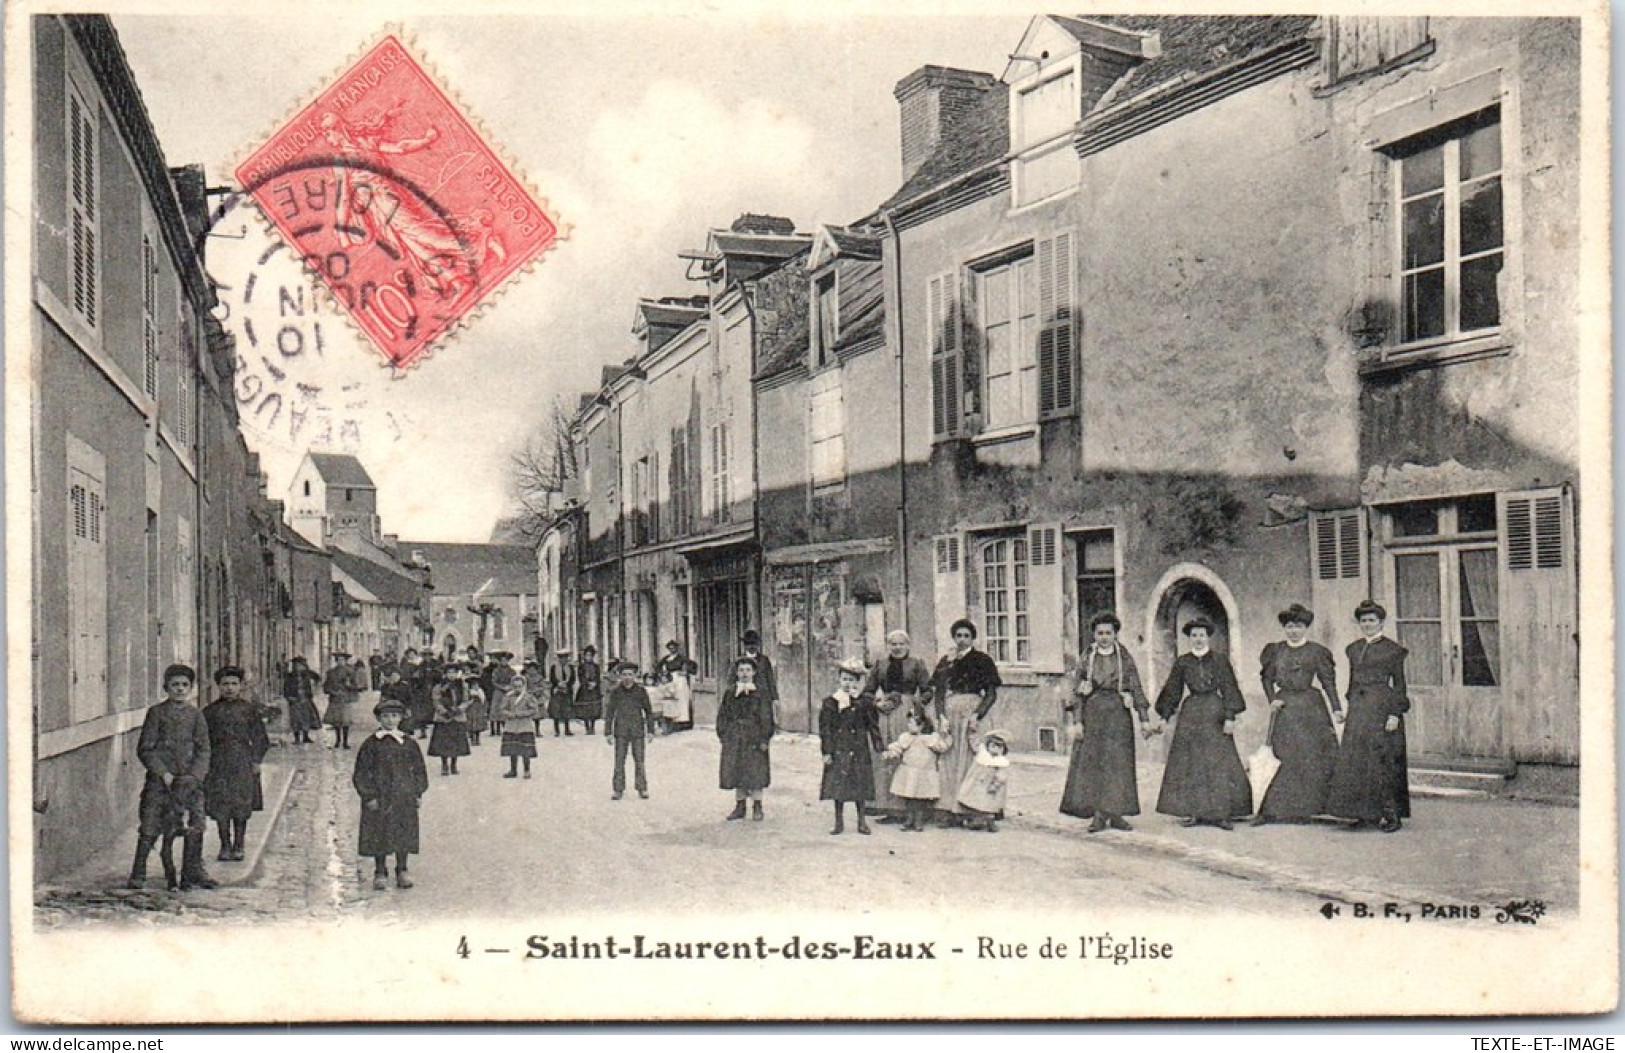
(898, 740)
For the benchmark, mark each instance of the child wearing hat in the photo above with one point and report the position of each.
(174, 748)
(390, 777)
(848, 736)
(628, 721)
(237, 745)
(983, 790)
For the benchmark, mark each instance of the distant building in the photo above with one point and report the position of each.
(330, 493)
(478, 594)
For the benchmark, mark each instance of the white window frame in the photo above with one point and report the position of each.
(1006, 644)
(826, 431)
(1032, 151)
(1023, 364)
(1452, 260)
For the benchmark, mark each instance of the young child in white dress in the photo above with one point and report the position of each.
(987, 782)
(916, 780)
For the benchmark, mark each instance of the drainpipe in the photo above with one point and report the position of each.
(902, 414)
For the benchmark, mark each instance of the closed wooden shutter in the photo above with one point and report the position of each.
(948, 586)
(1339, 557)
(87, 583)
(1539, 624)
(82, 207)
(947, 379)
(1046, 597)
(1057, 353)
(1339, 544)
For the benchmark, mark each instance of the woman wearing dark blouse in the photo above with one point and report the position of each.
(1300, 728)
(1100, 782)
(1204, 781)
(1370, 783)
(898, 686)
(966, 683)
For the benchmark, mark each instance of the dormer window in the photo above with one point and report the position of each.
(1044, 110)
(825, 320)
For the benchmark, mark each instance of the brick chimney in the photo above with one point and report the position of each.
(929, 100)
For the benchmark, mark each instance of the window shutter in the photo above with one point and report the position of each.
(1046, 598)
(1339, 546)
(946, 376)
(82, 206)
(948, 586)
(1057, 357)
(1539, 622)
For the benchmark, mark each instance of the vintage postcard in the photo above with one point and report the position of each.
(942, 511)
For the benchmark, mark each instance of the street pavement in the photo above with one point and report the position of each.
(558, 844)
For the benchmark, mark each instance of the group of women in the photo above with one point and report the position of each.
(1360, 777)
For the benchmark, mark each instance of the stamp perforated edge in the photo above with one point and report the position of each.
(489, 298)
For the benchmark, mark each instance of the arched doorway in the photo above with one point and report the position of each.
(1186, 591)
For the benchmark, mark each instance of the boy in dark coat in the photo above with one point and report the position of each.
(628, 720)
(174, 748)
(848, 736)
(237, 745)
(390, 777)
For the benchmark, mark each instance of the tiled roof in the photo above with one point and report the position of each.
(758, 223)
(393, 589)
(855, 245)
(458, 569)
(1197, 44)
(863, 301)
(341, 469)
(1192, 45)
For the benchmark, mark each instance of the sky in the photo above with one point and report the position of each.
(642, 127)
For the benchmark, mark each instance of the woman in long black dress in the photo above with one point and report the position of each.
(966, 683)
(1100, 782)
(1204, 781)
(237, 745)
(1371, 781)
(1300, 728)
(848, 735)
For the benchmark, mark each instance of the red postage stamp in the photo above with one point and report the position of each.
(396, 203)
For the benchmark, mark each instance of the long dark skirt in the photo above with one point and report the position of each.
(1306, 746)
(518, 743)
(1101, 777)
(449, 739)
(1371, 777)
(1204, 778)
(302, 715)
(850, 776)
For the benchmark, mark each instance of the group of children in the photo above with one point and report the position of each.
(848, 726)
(207, 763)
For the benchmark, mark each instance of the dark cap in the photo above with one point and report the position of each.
(388, 705)
(229, 670)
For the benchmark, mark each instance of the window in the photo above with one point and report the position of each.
(307, 487)
(450, 615)
(1006, 627)
(349, 495)
(1097, 577)
(499, 624)
(681, 486)
(828, 431)
(1008, 297)
(149, 316)
(1447, 589)
(1451, 238)
(721, 484)
(1534, 538)
(1023, 306)
(83, 195)
(825, 321)
(1044, 112)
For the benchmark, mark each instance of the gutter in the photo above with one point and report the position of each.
(902, 415)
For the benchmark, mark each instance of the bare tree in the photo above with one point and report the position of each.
(539, 471)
